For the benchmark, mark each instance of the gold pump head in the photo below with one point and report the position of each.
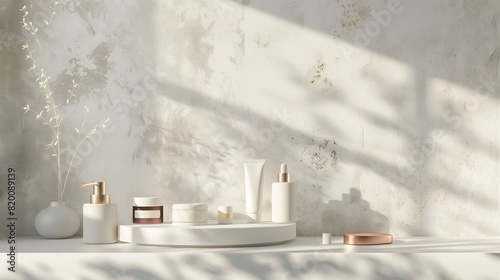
(99, 196)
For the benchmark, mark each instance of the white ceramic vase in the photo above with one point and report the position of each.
(57, 221)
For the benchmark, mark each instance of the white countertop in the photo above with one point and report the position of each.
(36, 244)
(414, 258)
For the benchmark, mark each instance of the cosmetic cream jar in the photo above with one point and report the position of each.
(189, 214)
(225, 214)
(147, 210)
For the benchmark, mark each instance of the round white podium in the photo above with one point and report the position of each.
(210, 235)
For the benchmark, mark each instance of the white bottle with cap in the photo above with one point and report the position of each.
(100, 221)
(283, 198)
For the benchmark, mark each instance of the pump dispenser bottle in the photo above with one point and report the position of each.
(283, 198)
(100, 222)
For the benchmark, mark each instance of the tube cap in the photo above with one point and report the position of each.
(252, 218)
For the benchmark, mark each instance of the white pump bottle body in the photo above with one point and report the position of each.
(100, 219)
(100, 225)
(283, 198)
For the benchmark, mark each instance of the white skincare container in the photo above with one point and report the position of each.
(225, 214)
(253, 188)
(283, 198)
(147, 210)
(189, 214)
(100, 220)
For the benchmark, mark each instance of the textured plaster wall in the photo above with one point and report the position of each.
(385, 111)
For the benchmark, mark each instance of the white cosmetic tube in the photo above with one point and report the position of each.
(253, 185)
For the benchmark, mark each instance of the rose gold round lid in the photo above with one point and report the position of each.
(367, 238)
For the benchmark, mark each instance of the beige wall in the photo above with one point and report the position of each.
(385, 111)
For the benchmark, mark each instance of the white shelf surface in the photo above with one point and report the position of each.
(412, 245)
(301, 258)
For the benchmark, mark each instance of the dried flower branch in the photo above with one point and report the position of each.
(53, 113)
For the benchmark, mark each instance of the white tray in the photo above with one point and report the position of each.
(210, 235)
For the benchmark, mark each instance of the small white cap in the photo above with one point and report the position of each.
(283, 168)
(327, 238)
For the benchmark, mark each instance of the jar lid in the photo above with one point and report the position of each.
(225, 209)
(189, 206)
(148, 201)
(367, 238)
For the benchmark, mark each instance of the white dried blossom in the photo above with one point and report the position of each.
(52, 114)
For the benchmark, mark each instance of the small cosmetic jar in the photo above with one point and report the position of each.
(327, 238)
(147, 210)
(189, 214)
(225, 214)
